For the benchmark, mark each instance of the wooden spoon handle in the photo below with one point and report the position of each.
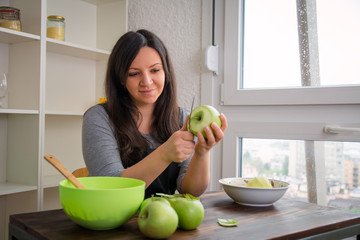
(53, 161)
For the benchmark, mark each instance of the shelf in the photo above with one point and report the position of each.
(76, 50)
(9, 188)
(64, 113)
(52, 180)
(17, 111)
(52, 84)
(12, 36)
(98, 2)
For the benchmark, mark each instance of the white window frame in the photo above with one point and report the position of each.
(293, 113)
(233, 95)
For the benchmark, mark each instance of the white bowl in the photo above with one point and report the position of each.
(237, 190)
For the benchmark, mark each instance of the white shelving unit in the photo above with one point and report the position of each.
(13, 37)
(51, 84)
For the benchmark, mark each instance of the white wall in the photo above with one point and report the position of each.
(178, 24)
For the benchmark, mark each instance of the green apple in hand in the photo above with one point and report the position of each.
(152, 198)
(158, 220)
(201, 117)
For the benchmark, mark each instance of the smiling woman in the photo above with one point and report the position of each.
(140, 132)
(145, 81)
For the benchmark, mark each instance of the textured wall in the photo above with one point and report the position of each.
(178, 24)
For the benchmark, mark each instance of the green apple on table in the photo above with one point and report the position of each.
(190, 212)
(201, 117)
(153, 198)
(157, 220)
(188, 208)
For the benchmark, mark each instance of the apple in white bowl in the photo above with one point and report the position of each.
(201, 117)
(237, 189)
(259, 182)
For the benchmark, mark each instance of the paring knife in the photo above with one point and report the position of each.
(192, 107)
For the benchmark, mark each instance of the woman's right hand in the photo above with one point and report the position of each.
(180, 145)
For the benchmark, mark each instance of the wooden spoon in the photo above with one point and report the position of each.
(53, 161)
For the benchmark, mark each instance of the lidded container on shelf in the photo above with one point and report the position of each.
(56, 27)
(10, 18)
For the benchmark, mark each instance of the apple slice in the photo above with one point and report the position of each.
(201, 117)
(259, 182)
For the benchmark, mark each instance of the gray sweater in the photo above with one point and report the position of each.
(102, 158)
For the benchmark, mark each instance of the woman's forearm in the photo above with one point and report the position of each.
(197, 176)
(149, 168)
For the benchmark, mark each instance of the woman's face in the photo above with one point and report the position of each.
(146, 77)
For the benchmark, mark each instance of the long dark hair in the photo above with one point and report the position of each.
(122, 111)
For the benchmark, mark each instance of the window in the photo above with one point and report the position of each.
(339, 49)
(271, 40)
(264, 52)
(286, 160)
(300, 109)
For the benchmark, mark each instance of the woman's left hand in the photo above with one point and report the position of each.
(197, 177)
(213, 136)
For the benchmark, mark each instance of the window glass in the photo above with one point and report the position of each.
(339, 37)
(271, 47)
(270, 44)
(286, 160)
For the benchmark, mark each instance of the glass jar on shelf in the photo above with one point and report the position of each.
(56, 27)
(10, 18)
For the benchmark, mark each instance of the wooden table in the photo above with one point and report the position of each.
(286, 219)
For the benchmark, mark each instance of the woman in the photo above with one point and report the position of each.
(140, 132)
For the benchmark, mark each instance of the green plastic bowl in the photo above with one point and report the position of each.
(106, 203)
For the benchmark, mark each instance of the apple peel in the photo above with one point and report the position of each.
(227, 222)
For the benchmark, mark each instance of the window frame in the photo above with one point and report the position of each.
(299, 113)
(233, 68)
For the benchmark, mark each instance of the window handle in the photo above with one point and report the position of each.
(334, 129)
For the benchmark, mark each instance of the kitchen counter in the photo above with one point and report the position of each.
(286, 219)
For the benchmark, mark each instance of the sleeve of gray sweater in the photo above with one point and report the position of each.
(99, 145)
(100, 149)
